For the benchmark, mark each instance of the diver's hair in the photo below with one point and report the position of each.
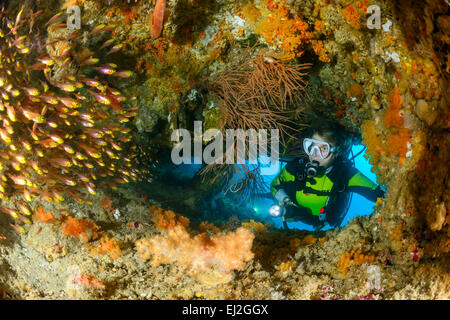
(333, 132)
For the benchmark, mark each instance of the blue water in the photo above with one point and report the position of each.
(187, 171)
(359, 206)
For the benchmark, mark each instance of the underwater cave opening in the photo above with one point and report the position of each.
(185, 193)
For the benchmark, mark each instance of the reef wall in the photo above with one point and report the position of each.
(379, 67)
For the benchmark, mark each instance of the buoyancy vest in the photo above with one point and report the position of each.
(326, 194)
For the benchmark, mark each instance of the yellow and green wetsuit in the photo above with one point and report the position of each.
(327, 194)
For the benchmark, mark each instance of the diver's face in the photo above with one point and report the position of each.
(323, 162)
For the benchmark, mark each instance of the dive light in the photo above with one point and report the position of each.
(276, 210)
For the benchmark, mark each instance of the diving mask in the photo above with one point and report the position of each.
(315, 147)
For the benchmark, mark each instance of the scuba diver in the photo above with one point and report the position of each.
(315, 189)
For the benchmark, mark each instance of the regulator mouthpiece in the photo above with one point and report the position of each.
(312, 169)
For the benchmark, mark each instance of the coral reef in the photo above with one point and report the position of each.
(280, 29)
(226, 251)
(109, 246)
(71, 132)
(82, 228)
(356, 256)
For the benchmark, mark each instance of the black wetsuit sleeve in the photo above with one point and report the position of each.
(362, 185)
(368, 193)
